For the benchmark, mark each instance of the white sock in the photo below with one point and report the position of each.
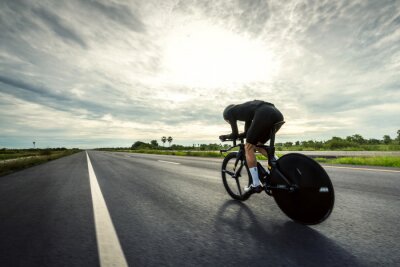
(254, 175)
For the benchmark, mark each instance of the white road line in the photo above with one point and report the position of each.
(109, 248)
(170, 162)
(362, 169)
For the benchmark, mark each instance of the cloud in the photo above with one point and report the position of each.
(106, 67)
(117, 12)
(57, 25)
(248, 17)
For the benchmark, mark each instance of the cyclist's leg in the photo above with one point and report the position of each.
(264, 118)
(253, 135)
(258, 132)
(262, 150)
(250, 155)
(252, 165)
(268, 116)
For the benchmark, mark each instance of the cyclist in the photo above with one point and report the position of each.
(259, 118)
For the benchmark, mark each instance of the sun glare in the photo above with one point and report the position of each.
(207, 56)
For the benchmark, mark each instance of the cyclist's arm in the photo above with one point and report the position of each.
(247, 126)
(235, 131)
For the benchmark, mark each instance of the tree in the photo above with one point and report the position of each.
(140, 145)
(163, 139)
(398, 136)
(154, 143)
(337, 143)
(357, 138)
(288, 144)
(373, 141)
(170, 140)
(386, 139)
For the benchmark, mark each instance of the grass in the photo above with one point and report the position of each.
(384, 161)
(368, 161)
(208, 154)
(213, 154)
(10, 163)
(16, 154)
(381, 147)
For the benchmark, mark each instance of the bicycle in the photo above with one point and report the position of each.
(300, 186)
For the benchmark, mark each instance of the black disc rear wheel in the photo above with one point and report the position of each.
(313, 199)
(235, 178)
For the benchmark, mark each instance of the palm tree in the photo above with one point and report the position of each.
(34, 143)
(170, 140)
(163, 139)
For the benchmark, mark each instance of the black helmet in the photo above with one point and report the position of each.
(226, 112)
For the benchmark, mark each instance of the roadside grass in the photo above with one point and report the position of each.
(212, 154)
(19, 161)
(367, 161)
(383, 161)
(209, 154)
(380, 147)
(16, 154)
(386, 161)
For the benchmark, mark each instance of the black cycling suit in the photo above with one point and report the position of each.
(259, 117)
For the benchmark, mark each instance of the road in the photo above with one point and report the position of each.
(173, 211)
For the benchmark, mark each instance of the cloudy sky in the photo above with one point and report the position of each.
(87, 74)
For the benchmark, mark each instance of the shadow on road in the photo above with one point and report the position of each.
(265, 242)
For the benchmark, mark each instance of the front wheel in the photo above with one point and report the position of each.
(235, 178)
(313, 198)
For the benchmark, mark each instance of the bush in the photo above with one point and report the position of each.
(338, 143)
(45, 152)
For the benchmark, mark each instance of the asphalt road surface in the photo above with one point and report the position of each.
(152, 210)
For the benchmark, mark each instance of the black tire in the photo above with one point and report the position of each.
(235, 186)
(314, 198)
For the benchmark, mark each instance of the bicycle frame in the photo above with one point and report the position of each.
(272, 159)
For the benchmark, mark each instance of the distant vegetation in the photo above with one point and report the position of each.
(351, 143)
(17, 159)
(354, 142)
